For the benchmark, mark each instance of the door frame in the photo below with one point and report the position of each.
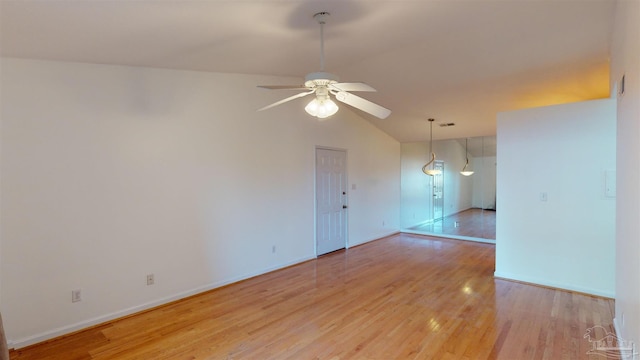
(315, 195)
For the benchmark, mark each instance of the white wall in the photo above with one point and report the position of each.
(567, 241)
(625, 59)
(415, 190)
(111, 173)
(457, 188)
(484, 182)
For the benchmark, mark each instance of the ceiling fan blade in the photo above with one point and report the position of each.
(299, 95)
(363, 104)
(352, 87)
(283, 87)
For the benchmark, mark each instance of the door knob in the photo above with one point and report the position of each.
(344, 206)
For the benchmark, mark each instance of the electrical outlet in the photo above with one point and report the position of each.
(151, 279)
(76, 295)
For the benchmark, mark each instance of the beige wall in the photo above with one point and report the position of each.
(625, 59)
(567, 240)
(110, 173)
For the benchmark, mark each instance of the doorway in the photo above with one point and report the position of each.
(438, 191)
(331, 200)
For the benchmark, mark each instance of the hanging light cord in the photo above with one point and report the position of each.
(465, 165)
(433, 158)
(433, 155)
(464, 171)
(466, 153)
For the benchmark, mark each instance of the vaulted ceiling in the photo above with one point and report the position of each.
(456, 61)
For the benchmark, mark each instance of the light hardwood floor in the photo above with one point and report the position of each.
(401, 297)
(475, 223)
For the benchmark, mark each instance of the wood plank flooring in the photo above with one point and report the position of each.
(476, 223)
(401, 297)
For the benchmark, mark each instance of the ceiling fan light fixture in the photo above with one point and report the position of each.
(321, 108)
(323, 84)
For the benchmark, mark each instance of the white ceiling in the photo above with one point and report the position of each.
(456, 61)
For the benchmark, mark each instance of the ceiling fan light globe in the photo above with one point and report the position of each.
(327, 108)
(321, 108)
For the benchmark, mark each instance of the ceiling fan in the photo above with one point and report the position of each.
(324, 84)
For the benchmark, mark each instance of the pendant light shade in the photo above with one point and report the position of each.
(464, 171)
(425, 169)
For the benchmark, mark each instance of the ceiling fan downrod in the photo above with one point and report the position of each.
(321, 19)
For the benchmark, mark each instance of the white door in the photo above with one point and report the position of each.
(331, 200)
(438, 191)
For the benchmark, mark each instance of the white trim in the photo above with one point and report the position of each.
(382, 236)
(624, 354)
(447, 236)
(315, 195)
(421, 223)
(53, 333)
(554, 284)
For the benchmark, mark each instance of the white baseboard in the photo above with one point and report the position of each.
(447, 236)
(67, 329)
(624, 355)
(381, 236)
(553, 284)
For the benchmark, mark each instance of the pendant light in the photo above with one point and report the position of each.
(425, 169)
(464, 171)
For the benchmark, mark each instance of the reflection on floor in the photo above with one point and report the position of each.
(475, 223)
